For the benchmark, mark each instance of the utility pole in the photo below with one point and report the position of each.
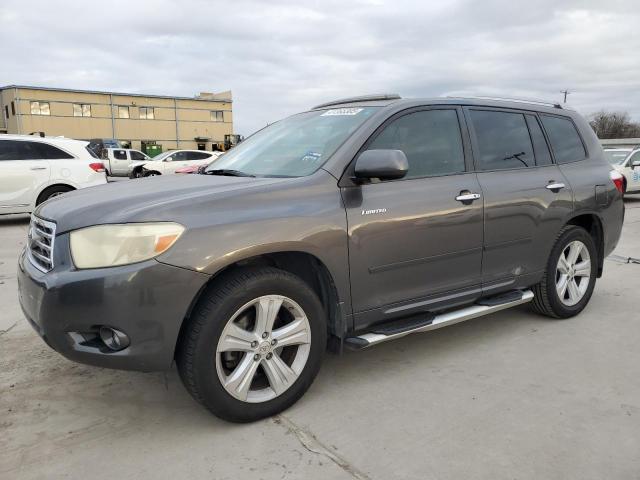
(566, 92)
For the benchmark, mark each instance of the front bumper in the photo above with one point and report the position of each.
(148, 301)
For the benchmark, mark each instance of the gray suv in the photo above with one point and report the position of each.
(357, 222)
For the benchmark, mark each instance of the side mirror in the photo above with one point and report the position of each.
(635, 163)
(382, 164)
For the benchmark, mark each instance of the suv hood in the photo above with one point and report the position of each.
(162, 198)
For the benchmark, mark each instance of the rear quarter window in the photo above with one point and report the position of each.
(565, 141)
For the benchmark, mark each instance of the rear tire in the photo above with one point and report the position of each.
(234, 368)
(570, 275)
(51, 192)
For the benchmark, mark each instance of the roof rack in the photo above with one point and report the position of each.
(362, 98)
(517, 100)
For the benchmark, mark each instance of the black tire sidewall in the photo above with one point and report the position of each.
(213, 394)
(559, 308)
(47, 193)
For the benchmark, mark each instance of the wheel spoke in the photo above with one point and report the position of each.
(294, 333)
(279, 373)
(240, 379)
(267, 309)
(574, 291)
(563, 265)
(583, 269)
(574, 252)
(561, 285)
(236, 339)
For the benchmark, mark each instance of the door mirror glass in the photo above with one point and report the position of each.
(382, 164)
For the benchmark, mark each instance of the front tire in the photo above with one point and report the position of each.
(52, 192)
(570, 275)
(253, 344)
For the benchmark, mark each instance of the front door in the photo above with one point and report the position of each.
(23, 170)
(632, 173)
(526, 197)
(415, 241)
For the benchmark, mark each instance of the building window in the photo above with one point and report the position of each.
(146, 113)
(6, 112)
(40, 108)
(217, 116)
(81, 110)
(123, 112)
(13, 108)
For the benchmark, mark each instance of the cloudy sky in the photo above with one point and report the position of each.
(279, 57)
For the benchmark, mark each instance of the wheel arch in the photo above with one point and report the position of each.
(592, 223)
(44, 188)
(305, 265)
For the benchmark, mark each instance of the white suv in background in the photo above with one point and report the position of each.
(170, 161)
(34, 169)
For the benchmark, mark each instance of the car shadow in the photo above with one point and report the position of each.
(12, 220)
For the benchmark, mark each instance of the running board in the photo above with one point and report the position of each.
(430, 322)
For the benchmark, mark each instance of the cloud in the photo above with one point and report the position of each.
(285, 56)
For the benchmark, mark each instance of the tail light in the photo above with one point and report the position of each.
(618, 180)
(97, 167)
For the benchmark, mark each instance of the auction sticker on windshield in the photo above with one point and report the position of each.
(341, 111)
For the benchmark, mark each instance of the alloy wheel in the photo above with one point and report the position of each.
(263, 348)
(573, 273)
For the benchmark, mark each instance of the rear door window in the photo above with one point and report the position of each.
(120, 154)
(564, 138)
(52, 153)
(430, 139)
(197, 155)
(540, 147)
(502, 140)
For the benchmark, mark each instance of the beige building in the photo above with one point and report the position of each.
(139, 121)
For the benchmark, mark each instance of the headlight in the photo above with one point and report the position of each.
(112, 245)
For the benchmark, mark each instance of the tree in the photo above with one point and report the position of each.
(614, 125)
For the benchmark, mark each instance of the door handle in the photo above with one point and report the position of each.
(555, 186)
(467, 197)
(38, 168)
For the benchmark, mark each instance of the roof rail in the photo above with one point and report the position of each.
(362, 98)
(517, 100)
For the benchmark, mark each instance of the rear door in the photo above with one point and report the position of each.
(198, 158)
(526, 197)
(119, 161)
(22, 172)
(413, 243)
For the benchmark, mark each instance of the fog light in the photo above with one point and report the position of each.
(114, 339)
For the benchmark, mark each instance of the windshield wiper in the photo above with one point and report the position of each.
(227, 172)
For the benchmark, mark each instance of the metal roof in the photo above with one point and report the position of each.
(72, 90)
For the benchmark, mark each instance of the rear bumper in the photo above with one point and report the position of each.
(148, 301)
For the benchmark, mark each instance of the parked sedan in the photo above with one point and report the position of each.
(627, 162)
(170, 161)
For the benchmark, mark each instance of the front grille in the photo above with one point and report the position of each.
(40, 243)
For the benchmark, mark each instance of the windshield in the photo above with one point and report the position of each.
(296, 146)
(616, 157)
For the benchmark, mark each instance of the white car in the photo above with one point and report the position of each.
(627, 162)
(35, 169)
(117, 160)
(169, 161)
